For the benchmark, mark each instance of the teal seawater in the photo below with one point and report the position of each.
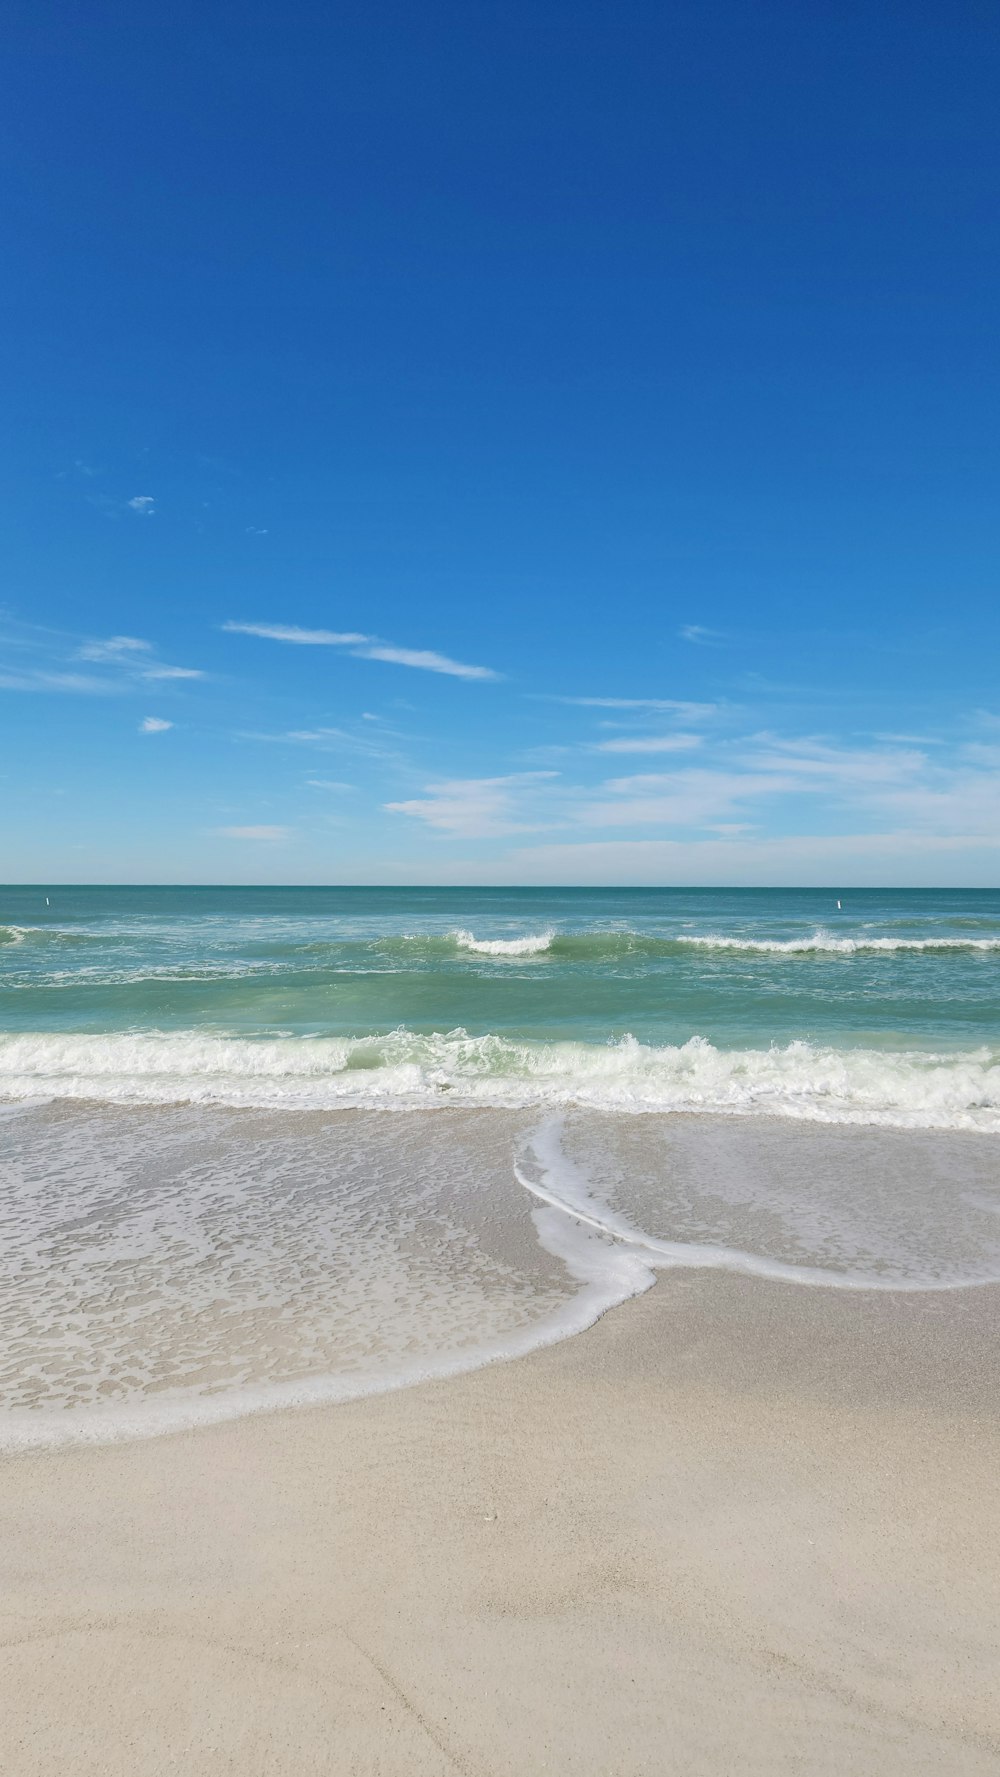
(465, 985)
(918, 965)
(190, 1228)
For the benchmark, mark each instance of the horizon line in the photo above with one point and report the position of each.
(555, 887)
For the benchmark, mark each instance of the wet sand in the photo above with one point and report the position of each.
(736, 1527)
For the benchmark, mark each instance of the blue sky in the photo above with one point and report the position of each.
(500, 443)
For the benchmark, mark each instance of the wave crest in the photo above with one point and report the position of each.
(909, 1089)
(531, 945)
(825, 943)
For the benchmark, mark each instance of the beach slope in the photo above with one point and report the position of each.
(737, 1527)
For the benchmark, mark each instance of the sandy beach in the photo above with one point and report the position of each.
(737, 1527)
(500, 891)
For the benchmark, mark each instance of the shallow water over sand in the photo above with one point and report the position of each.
(172, 1266)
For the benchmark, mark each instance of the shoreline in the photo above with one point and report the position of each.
(736, 1525)
(544, 1209)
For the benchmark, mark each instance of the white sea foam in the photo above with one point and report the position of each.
(908, 1089)
(827, 943)
(211, 1267)
(607, 1278)
(535, 944)
(547, 1171)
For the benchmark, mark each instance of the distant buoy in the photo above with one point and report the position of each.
(838, 906)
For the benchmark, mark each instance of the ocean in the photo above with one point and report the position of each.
(263, 1146)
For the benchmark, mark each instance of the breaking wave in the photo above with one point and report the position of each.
(909, 1089)
(529, 946)
(613, 945)
(825, 943)
(415, 949)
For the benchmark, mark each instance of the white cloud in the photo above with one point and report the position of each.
(272, 834)
(289, 632)
(692, 798)
(651, 743)
(363, 647)
(426, 659)
(696, 632)
(317, 736)
(751, 793)
(128, 661)
(144, 504)
(327, 783)
(154, 725)
(909, 740)
(768, 781)
(872, 782)
(82, 684)
(116, 649)
(841, 859)
(687, 712)
(369, 744)
(474, 807)
(131, 654)
(815, 758)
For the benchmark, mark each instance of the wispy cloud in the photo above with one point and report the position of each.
(745, 791)
(426, 659)
(474, 807)
(701, 636)
(768, 782)
(314, 736)
(78, 684)
(127, 662)
(132, 655)
(845, 859)
(113, 505)
(154, 725)
(690, 799)
(363, 647)
(289, 632)
(377, 744)
(114, 649)
(684, 710)
(651, 743)
(812, 758)
(272, 835)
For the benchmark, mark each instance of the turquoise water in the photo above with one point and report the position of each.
(885, 1006)
(261, 1146)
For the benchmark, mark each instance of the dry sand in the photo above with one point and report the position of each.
(738, 1527)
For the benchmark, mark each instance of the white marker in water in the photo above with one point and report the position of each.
(838, 906)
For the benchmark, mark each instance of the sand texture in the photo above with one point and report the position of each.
(738, 1527)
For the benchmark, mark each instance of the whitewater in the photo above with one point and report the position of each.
(268, 1147)
(904, 1090)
